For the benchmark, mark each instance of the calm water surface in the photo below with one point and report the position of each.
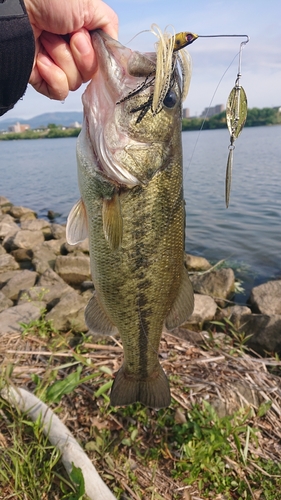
(41, 174)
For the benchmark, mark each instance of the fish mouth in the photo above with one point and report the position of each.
(120, 72)
(120, 64)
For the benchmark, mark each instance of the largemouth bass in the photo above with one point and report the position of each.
(132, 208)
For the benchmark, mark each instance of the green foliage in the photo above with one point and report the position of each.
(77, 479)
(58, 389)
(40, 327)
(31, 466)
(255, 117)
(53, 132)
(216, 456)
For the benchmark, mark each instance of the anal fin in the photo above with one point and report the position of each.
(112, 221)
(97, 320)
(183, 306)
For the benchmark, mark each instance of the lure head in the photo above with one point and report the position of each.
(183, 39)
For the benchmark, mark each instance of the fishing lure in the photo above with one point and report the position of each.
(168, 54)
(236, 107)
(236, 114)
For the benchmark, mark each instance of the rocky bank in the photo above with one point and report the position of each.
(39, 272)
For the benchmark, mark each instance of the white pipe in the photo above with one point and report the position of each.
(62, 438)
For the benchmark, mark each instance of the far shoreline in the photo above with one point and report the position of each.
(255, 118)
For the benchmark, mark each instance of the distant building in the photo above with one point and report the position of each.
(18, 127)
(214, 110)
(185, 113)
(75, 125)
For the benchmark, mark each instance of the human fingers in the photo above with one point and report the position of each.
(48, 79)
(83, 54)
(101, 16)
(60, 53)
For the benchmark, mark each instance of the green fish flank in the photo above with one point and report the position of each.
(130, 179)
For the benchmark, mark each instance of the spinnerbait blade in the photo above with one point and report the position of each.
(236, 111)
(236, 114)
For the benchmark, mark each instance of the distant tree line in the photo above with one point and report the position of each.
(51, 132)
(255, 117)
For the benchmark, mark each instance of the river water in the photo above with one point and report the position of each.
(41, 174)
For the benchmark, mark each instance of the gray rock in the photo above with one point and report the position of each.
(69, 313)
(87, 285)
(266, 298)
(7, 224)
(6, 276)
(55, 245)
(21, 280)
(2, 250)
(204, 309)
(19, 212)
(6, 218)
(11, 318)
(5, 303)
(265, 332)
(83, 247)
(50, 278)
(73, 269)
(196, 263)
(233, 313)
(189, 335)
(49, 295)
(218, 284)
(37, 225)
(6, 208)
(22, 254)
(4, 201)
(25, 239)
(87, 295)
(7, 241)
(8, 263)
(43, 258)
(27, 216)
(58, 231)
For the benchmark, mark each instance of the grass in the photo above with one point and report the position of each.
(30, 467)
(190, 450)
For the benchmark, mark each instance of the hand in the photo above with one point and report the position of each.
(65, 57)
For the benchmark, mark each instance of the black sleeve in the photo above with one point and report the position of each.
(17, 49)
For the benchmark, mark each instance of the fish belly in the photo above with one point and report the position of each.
(137, 284)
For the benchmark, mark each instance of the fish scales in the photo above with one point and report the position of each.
(139, 275)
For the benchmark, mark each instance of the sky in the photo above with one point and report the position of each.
(261, 57)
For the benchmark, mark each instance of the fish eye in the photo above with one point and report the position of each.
(170, 99)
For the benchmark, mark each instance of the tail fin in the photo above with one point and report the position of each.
(153, 392)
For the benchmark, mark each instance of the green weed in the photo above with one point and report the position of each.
(30, 468)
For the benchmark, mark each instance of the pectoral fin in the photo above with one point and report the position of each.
(183, 305)
(97, 320)
(76, 226)
(112, 221)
